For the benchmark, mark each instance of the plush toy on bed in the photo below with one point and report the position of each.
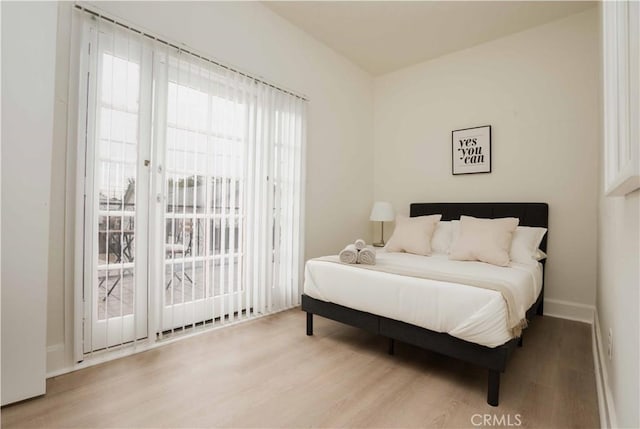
(358, 253)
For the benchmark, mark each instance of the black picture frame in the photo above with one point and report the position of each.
(483, 150)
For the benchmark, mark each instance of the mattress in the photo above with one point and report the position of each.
(470, 313)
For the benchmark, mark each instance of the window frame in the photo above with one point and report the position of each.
(621, 94)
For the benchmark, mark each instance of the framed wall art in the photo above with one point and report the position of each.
(471, 150)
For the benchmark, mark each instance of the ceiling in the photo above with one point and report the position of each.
(383, 36)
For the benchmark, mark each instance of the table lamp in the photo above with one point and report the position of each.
(382, 212)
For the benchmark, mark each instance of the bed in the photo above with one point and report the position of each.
(429, 313)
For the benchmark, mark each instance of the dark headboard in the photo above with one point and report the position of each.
(530, 214)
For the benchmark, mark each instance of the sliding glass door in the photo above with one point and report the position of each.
(191, 190)
(203, 193)
(116, 193)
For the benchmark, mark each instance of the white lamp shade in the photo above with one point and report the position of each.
(382, 211)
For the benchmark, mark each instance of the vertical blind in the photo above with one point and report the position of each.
(194, 190)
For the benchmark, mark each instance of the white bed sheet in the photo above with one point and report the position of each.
(470, 313)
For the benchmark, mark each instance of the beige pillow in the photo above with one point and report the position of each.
(413, 234)
(486, 240)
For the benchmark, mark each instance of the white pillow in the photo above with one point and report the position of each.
(455, 224)
(540, 255)
(486, 240)
(526, 240)
(442, 237)
(413, 234)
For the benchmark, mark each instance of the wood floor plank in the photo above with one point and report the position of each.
(268, 373)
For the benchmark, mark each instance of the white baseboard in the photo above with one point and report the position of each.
(569, 310)
(606, 406)
(56, 358)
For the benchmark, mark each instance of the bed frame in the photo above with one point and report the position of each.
(493, 359)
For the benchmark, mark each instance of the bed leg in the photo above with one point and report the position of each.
(493, 389)
(540, 309)
(309, 323)
(520, 340)
(392, 346)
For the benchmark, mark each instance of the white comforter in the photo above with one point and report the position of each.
(470, 313)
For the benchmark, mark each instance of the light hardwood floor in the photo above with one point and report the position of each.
(267, 373)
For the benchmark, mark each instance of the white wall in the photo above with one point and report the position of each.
(538, 89)
(28, 60)
(251, 37)
(618, 301)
